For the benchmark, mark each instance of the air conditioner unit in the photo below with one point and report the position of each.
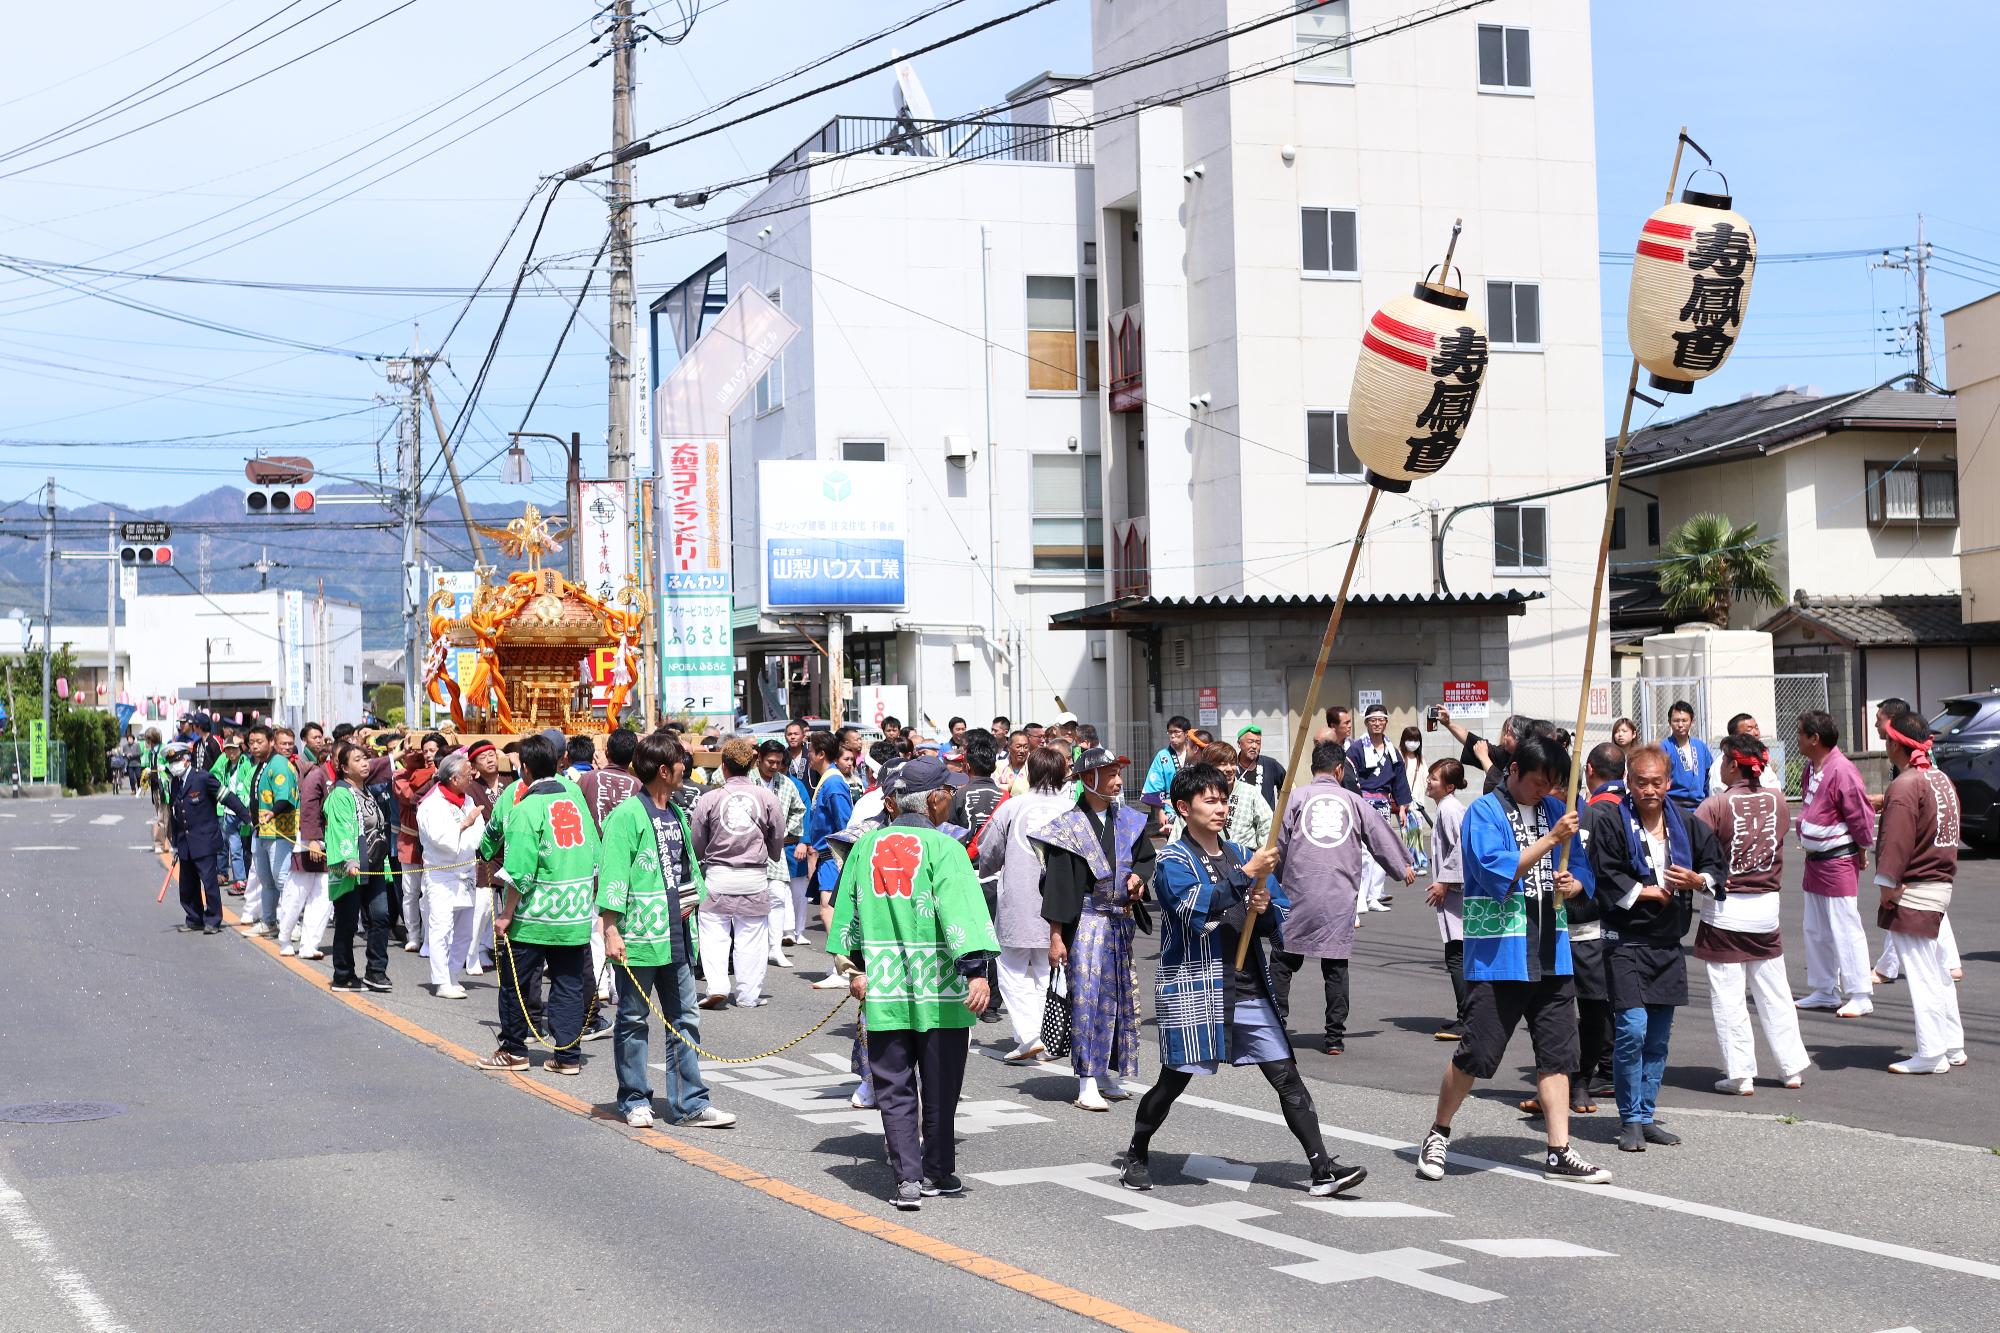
(958, 448)
(962, 653)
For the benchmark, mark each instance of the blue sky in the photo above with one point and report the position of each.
(1835, 126)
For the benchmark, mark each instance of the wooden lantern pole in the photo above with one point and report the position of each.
(1304, 726)
(1604, 551)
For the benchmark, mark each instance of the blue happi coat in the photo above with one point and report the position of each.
(1189, 991)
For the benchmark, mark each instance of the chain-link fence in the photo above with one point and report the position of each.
(15, 765)
(1775, 701)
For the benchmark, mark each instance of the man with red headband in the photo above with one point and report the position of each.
(1738, 937)
(1916, 860)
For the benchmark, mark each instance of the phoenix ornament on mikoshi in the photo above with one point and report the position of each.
(1423, 360)
(529, 537)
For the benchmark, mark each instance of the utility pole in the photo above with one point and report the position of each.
(1917, 261)
(263, 564)
(410, 371)
(48, 604)
(111, 618)
(618, 428)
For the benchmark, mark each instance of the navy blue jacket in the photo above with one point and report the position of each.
(197, 831)
(1385, 779)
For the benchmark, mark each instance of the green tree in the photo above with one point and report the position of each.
(1709, 562)
(387, 703)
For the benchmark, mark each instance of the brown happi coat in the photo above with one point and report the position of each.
(1916, 852)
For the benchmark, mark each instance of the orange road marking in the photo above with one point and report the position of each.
(894, 1233)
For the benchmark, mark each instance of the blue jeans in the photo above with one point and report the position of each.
(1639, 1059)
(274, 867)
(232, 847)
(673, 984)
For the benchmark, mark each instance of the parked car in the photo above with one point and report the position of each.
(1967, 750)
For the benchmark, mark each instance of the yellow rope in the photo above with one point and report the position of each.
(589, 1011)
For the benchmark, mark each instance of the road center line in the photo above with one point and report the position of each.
(1734, 1217)
(89, 1308)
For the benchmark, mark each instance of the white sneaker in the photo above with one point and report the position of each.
(1955, 1056)
(451, 991)
(778, 958)
(413, 946)
(710, 1118)
(831, 981)
(1922, 1064)
(1736, 1087)
(1796, 1079)
(474, 970)
(1820, 999)
(1858, 1007)
(1378, 907)
(640, 1117)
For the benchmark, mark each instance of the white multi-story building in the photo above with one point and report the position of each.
(1173, 537)
(1246, 235)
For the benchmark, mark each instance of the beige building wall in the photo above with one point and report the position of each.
(1972, 369)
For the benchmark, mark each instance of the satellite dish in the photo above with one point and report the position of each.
(912, 102)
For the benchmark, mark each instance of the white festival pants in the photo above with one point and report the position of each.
(600, 978)
(1024, 987)
(751, 936)
(446, 929)
(478, 939)
(780, 920)
(799, 913)
(305, 904)
(1891, 967)
(1776, 1014)
(1932, 994)
(1836, 946)
(412, 878)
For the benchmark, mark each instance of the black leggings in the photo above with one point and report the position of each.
(1282, 1075)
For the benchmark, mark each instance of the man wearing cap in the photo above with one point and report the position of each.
(197, 836)
(1258, 767)
(1097, 863)
(739, 829)
(909, 912)
(1378, 772)
(232, 770)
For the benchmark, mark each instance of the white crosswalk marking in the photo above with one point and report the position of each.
(1217, 1171)
(1531, 1247)
(817, 1094)
(1407, 1267)
(1371, 1208)
(107, 820)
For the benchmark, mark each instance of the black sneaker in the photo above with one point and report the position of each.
(1563, 1164)
(380, 984)
(1660, 1136)
(211, 930)
(346, 983)
(1330, 1177)
(1135, 1175)
(599, 1030)
(1631, 1137)
(1431, 1156)
(1334, 1048)
(949, 1185)
(909, 1197)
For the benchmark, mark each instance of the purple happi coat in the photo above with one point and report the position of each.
(1326, 831)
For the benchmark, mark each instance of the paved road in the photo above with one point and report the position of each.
(277, 1136)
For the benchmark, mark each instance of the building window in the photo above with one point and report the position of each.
(1328, 452)
(1514, 315)
(347, 675)
(771, 388)
(1521, 539)
(864, 451)
(1322, 25)
(1503, 59)
(1052, 341)
(1090, 254)
(1090, 335)
(1618, 529)
(1652, 522)
(1330, 247)
(1069, 512)
(1913, 492)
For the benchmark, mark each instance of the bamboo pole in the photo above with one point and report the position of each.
(1604, 553)
(1305, 722)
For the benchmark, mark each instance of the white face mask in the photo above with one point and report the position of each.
(1413, 746)
(178, 768)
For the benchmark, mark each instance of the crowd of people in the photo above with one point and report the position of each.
(1001, 874)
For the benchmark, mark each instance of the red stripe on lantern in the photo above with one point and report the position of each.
(1409, 333)
(1680, 231)
(1414, 360)
(1654, 250)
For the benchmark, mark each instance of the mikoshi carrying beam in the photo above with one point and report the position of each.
(1423, 358)
(1690, 282)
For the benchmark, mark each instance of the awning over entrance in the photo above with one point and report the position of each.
(1140, 612)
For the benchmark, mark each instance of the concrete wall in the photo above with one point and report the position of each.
(1972, 367)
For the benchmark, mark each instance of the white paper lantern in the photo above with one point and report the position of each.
(1690, 287)
(1423, 358)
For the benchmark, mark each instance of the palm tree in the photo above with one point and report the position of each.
(1708, 562)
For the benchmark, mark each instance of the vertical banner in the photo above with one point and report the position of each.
(38, 750)
(463, 585)
(295, 654)
(603, 537)
(697, 633)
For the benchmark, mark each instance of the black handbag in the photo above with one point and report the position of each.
(1056, 1017)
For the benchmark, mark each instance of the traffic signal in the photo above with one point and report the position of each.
(141, 556)
(278, 499)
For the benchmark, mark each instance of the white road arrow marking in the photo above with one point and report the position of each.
(1218, 1171)
(44, 849)
(61, 819)
(1405, 1267)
